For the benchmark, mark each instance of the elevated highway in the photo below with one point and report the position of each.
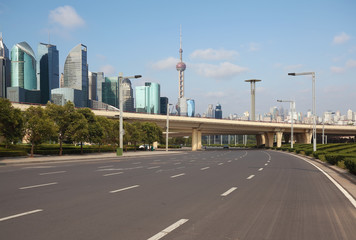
(196, 127)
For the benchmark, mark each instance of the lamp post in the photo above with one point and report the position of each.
(253, 91)
(167, 129)
(121, 77)
(314, 105)
(292, 103)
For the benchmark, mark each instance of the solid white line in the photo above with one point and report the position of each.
(169, 229)
(136, 163)
(20, 215)
(204, 168)
(260, 169)
(153, 167)
(178, 175)
(48, 173)
(123, 189)
(250, 177)
(109, 174)
(228, 191)
(106, 166)
(220, 164)
(347, 195)
(41, 185)
(38, 167)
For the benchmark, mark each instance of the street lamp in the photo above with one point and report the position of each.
(167, 129)
(292, 103)
(253, 91)
(119, 153)
(314, 106)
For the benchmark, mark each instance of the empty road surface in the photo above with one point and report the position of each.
(214, 194)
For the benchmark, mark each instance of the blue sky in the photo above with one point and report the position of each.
(224, 43)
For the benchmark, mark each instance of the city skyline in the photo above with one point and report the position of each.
(223, 46)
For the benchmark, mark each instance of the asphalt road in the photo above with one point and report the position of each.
(215, 194)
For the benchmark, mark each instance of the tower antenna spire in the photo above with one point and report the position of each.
(180, 49)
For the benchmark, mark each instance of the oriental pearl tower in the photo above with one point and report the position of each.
(182, 101)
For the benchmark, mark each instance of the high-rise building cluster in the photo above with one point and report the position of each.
(30, 79)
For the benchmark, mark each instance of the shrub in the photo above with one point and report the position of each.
(308, 152)
(350, 164)
(333, 158)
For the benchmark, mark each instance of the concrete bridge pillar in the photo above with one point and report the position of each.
(258, 140)
(287, 137)
(269, 139)
(263, 139)
(279, 136)
(199, 140)
(194, 139)
(305, 137)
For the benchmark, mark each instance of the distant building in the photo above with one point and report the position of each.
(127, 96)
(5, 69)
(163, 103)
(23, 67)
(100, 79)
(110, 91)
(47, 70)
(61, 96)
(76, 72)
(191, 108)
(92, 87)
(210, 111)
(349, 115)
(218, 111)
(148, 98)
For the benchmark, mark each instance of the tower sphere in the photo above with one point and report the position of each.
(181, 66)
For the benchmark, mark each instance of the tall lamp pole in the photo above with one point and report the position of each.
(292, 114)
(314, 105)
(253, 91)
(167, 129)
(121, 77)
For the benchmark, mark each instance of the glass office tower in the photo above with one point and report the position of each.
(148, 98)
(76, 71)
(110, 91)
(23, 66)
(5, 69)
(218, 111)
(93, 86)
(127, 96)
(47, 70)
(191, 108)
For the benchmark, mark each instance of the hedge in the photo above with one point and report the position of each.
(350, 164)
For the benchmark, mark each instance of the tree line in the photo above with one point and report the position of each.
(66, 124)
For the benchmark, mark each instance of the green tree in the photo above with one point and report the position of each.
(135, 133)
(39, 127)
(151, 133)
(63, 116)
(11, 122)
(79, 129)
(96, 131)
(107, 126)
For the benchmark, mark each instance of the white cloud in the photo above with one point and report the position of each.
(219, 94)
(341, 38)
(337, 69)
(351, 63)
(66, 17)
(108, 70)
(225, 70)
(168, 63)
(254, 47)
(293, 67)
(213, 54)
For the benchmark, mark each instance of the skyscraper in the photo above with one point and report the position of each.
(92, 88)
(76, 71)
(99, 85)
(182, 102)
(210, 111)
(148, 98)
(218, 111)
(191, 107)
(110, 91)
(47, 70)
(127, 95)
(23, 67)
(5, 68)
